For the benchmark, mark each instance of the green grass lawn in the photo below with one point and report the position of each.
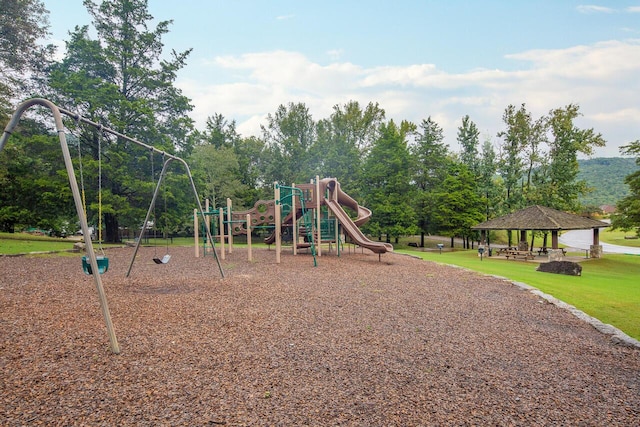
(18, 243)
(617, 237)
(608, 289)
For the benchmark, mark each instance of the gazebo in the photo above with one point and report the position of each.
(541, 218)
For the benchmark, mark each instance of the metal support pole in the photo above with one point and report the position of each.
(115, 347)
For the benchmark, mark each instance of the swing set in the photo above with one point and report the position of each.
(165, 259)
(102, 260)
(90, 261)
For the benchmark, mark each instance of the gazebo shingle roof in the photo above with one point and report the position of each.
(540, 218)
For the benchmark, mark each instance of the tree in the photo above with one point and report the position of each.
(489, 185)
(33, 182)
(458, 206)
(122, 80)
(22, 24)
(290, 134)
(430, 162)
(468, 137)
(510, 163)
(344, 141)
(387, 173)
(563, 189)
(627, 214)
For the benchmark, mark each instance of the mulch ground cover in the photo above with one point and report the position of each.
(352, 342)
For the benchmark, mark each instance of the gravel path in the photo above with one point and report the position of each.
(351, 342)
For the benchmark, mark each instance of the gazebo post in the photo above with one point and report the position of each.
(554, 239)
(595, 251)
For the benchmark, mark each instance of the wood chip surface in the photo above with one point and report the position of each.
(351, 342)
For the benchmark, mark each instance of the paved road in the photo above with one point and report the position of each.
(582, 239)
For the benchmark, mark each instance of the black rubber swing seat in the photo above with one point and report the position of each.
(103, 264)
(165, 259)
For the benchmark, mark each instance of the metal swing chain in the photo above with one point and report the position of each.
(84, 199)
(164, 187)
(100, 185)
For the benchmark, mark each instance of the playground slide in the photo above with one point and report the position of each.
(350, 227)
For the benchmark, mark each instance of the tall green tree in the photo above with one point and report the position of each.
(511, 163)
(34, 187)
(627, 214)
(123, 79)
(290, 134)
(469, 140)
(344, 141)
(22, 24)
(388, 176)
(489, 184)
(562, 187)
(458, 205)
(430, 164)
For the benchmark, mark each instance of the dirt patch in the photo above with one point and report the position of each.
(352, 341)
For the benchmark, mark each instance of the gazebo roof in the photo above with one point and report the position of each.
(540, 218)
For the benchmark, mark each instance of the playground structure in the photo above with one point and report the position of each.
(91, 263)
(307, 215)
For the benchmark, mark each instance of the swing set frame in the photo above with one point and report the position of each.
(73, 183)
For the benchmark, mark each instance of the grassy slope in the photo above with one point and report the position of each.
(608, 289)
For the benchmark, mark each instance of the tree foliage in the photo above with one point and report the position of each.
(430, 165)
(22, 24)
(387, 173)
(627, 215)
(122, 81)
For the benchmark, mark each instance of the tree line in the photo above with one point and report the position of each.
(123, 78)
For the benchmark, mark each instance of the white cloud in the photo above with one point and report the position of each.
(600, 78)
(590, 8)
(633, 9)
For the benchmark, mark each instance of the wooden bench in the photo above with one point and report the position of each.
(520, 255)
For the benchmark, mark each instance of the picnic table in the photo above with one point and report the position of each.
(545, 250)
(525, 255)
(506, 250)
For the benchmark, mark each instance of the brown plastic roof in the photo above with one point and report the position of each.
(540, 218)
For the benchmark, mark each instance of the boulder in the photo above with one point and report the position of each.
(561, 267)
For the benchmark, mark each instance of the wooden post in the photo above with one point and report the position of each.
(277, 220)
(294, 225)
(221, 233)
(195, 233)
(318, 217)
(230, 225)
(249, 254)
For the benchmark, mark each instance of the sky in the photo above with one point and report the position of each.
(442, 59)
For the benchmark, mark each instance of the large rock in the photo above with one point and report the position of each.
(561, 267)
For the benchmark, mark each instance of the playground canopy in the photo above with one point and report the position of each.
(543, 218)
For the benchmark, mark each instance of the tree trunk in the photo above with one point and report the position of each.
(533, 238)
(452, 239)
(111, 229)
(422, 239)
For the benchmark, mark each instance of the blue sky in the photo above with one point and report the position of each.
(443, 59)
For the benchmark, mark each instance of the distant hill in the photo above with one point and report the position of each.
(606, 176)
